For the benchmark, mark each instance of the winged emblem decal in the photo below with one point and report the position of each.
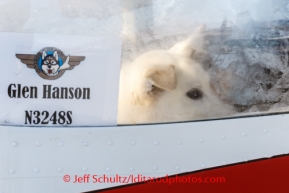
(50, 63)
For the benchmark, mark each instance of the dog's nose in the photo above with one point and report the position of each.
(49, 66)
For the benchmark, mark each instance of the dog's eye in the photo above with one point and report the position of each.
(195, 94)
(45, 62)
(53, 62)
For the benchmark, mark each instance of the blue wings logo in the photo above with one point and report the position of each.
(50, 63)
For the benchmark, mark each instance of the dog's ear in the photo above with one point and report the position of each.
(164, 78)
(192, 44)
(55, 55)
(44, 54)
(157, 80)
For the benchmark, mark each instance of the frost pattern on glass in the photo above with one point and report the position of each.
(72, 17)
(245, 51)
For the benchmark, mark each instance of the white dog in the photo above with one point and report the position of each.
(168, 86)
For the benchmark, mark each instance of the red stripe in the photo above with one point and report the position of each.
(264, 176)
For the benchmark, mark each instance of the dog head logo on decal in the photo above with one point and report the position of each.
(50, 63)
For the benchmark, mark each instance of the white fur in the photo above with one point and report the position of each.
(172, 104)
(44, 54)
(55, 54)
(55, 70)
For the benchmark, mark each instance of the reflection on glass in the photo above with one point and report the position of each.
(204, 64)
